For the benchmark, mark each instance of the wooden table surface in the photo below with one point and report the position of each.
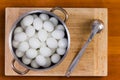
(113, 33)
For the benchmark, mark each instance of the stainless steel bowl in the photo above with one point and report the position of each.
(50, 13)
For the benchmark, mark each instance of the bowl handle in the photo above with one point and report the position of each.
(18, 71)
(62, 10)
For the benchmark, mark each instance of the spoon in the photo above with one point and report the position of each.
(97, 27)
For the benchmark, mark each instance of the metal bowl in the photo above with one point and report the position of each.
(17, 23)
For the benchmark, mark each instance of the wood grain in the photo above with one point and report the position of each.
(94, 60)
(113, 33)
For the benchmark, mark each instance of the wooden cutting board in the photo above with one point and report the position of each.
(93, 61)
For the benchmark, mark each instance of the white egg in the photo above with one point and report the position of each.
(61, 51)
(35, 35)
(15, 43)
(30, 31)
(35, 16)
(43, 44)
(60, 27)
(42, 35)
(48, 26)
(20, 36)
(18, 30)
(63, 43)
(34, 43)
(19, 53)
(37, 23)
(41, 60)
(54, 21)
(44, 17)
(22, 25)
(34, 64)
(52, 43)
(23, 46)
(45, 51)
(48, 62)
(55, 58)
(38, 51)
(27, 20)
(53, 51)
(26, 60)
(49, 34)
(58, 34)
(31, 53)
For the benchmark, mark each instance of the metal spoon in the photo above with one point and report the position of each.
(97, 26)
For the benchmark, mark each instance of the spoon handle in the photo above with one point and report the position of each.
(77, 58)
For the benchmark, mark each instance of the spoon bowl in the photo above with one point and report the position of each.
(97, 25)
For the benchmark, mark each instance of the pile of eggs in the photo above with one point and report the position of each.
(39, 40)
